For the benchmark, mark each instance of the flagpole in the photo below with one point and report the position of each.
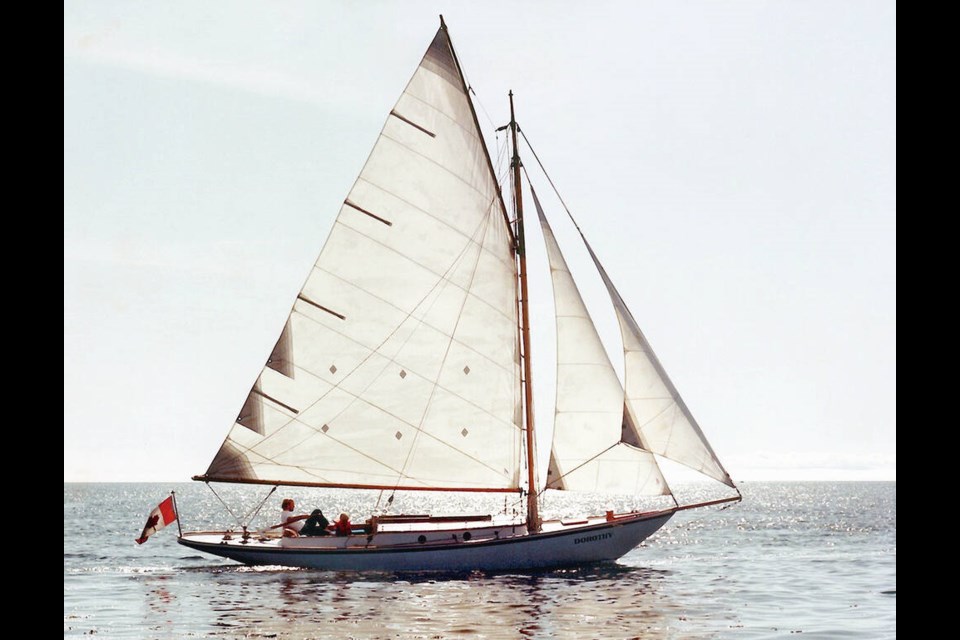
(177, 511)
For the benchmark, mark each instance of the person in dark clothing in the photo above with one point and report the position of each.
(315, 525)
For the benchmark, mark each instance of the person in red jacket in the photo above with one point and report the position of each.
(342, 526)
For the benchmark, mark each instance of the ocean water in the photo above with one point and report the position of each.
(814, 559)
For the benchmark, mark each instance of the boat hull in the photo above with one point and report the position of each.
(557, 546)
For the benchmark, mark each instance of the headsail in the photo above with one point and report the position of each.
(595, 446)
(653, 403)
(653, 409)
(398, 365)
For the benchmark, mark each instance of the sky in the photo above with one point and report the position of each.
(732, 164)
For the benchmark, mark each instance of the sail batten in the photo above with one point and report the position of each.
(412, 124)
(403, 338)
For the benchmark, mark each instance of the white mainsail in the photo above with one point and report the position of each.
(594, 445)
(399, 365)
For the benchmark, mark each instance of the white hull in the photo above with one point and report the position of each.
(487, 548)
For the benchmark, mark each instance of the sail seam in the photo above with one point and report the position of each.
(385, 136)
(436, 109)
(427, 268)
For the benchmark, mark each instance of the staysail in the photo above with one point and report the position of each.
(398, 366)
(595, 447)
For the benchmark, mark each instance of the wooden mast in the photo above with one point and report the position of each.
(533, 515)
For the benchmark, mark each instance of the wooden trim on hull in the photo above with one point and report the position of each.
(605, 541)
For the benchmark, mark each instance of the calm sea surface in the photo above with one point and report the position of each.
(816, 559)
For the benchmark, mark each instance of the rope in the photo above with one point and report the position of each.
(477, 100)
(225, 505)
(376, 507)
(547, 176)
(250, 515)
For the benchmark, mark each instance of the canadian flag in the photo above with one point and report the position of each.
(160, 517)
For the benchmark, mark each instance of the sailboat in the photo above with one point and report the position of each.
(405, 365)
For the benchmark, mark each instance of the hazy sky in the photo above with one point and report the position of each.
(733, 165)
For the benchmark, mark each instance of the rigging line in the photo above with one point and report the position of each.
(250, 515)
(225, 505)
(582, 464)
(476, 97)
(440, 280)
(553, 186)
